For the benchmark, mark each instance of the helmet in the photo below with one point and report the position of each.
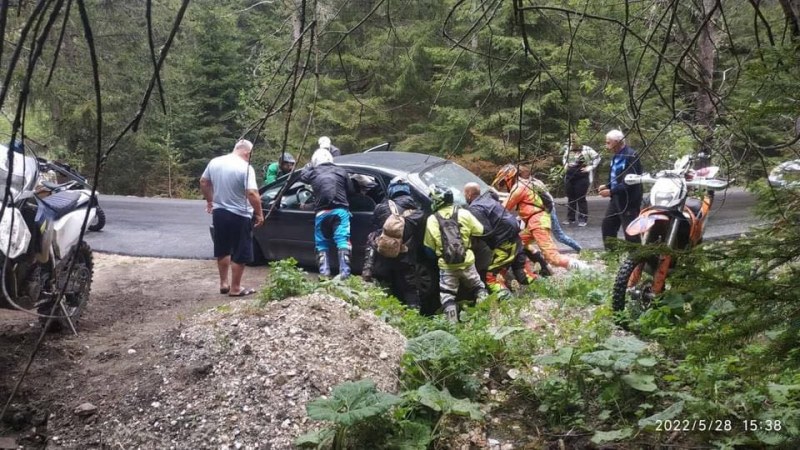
(440, 197)
(286, 158)
(324, 142)
(321, 156)
(398, 186)
(507, 175)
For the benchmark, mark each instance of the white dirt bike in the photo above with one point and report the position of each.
(68, 179)
(44, 267)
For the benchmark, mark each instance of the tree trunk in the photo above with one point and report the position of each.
(705, 115)
(791, 9)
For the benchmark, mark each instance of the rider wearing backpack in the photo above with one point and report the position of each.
(448, 233)
(533, 208)
(397, 267)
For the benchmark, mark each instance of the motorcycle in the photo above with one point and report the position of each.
(44, 267)
(673, 219)
(69, 179)
(785, 175)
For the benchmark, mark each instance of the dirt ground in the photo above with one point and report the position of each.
(132, 303)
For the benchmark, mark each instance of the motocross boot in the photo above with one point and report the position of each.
(537, 257)
(369, 262)
(451, 311)
(496, 285)
(324, 263)
(344, 262)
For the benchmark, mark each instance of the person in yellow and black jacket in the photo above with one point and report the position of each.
(452, 275)
(534, 211)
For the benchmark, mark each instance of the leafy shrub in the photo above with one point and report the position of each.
(285, 280)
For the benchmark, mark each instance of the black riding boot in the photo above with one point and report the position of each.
(537, 257)
(369, 262)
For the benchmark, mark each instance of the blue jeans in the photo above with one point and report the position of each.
(332, 225)
(559, 234)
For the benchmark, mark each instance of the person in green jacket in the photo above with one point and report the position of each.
(284, 165)
(452, 275)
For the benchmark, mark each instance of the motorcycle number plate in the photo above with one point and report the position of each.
(642, 224)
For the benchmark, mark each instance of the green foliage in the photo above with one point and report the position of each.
(285, 280)
(350, 404)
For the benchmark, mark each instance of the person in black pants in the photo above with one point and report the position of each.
(579, 162)
(399, 271)
(626, 200)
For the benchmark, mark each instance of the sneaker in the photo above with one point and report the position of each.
(582, 223)
(576, 264)
(568, 222)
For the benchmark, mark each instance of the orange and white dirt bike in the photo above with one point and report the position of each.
(674, 220)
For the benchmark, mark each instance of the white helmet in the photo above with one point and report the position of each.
(321, 156)
(324, 142)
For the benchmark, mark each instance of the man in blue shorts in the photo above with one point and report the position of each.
(229, 187)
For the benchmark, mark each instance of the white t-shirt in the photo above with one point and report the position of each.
(231, 177)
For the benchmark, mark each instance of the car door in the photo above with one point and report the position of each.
(288, 229)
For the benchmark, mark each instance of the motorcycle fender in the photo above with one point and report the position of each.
(643, 223)
(14, 234)
(68, 230)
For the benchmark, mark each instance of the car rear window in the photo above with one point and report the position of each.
(453, 176)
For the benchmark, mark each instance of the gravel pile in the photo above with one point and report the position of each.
(240, 376)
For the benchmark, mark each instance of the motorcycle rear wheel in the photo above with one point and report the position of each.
(633, 288)
(99, 220)
(76, 295)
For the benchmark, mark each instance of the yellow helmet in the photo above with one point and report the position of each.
(507, 175)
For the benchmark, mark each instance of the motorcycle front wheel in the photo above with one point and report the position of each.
(76, 294)
(99, 220)
(633, 288)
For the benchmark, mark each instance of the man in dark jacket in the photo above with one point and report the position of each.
(626, 200)
(331, 186)
(501, 235)
(400, 271)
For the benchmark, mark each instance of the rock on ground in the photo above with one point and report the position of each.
(239, 376)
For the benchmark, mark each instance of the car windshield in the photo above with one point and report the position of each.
(453, 176)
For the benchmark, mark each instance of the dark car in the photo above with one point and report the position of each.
(289, 228)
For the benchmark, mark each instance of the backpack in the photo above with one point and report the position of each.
(453, 249)
(390, 242)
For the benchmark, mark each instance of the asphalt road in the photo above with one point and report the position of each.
(170, 228)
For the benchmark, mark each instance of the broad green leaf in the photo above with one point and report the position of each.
(624, 361)
(640, 382)
(562, 357)
(433, 346)
(433, 398)
(467, 408)
(624, 344)
(646, 361)
(351, 402)
(602, 437)
(315, 439)
(669, 413)
(411, 436)
(498, 333)
(441, 401)
(600, 358)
